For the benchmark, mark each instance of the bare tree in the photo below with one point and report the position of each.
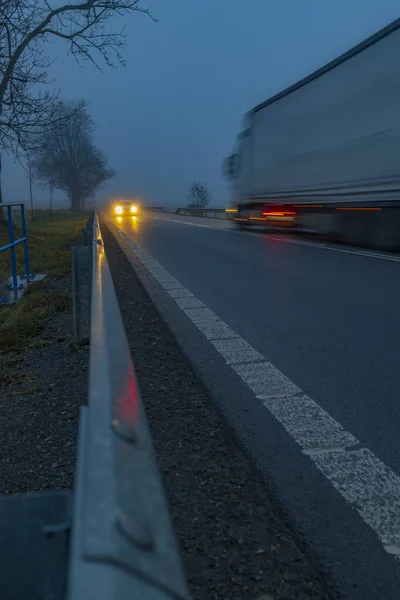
(26, 26)
(198, 196)
(69, 160)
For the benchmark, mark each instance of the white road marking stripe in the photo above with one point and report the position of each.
(371, 487)
(216, 330)
(189, 302)
(180, 293)
(185, 222)
(266, 381)
(157, 272)
(364, 481)
(364, 253)
(236, 350)
(171, 284)
(312, 427)
(200, 314)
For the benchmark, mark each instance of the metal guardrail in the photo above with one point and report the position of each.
(14, 242)
(123, 545)
(154, 208)
(211, 213)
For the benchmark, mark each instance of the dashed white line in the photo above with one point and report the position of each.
(236, 351)
(198, 315)
(216, 330)
(188, 302)
(170, 284)
(364, 481)
(180, 293)
(266, 381)
(312, 428)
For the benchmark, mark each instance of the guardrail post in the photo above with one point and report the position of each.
(88, 232)
(28, 273)
(81, 294)
(12, 250)
(34, 544)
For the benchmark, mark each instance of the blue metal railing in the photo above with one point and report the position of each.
(14, 242)
(154, 208)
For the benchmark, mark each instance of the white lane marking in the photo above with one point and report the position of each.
(277, 238)
(198, 315)
(266, 381)
(180, 293)
(297, 413)
(364, 481)
(371, 487)
(189, 302)
(170, 284)
(236, 351)
(364, 253)
(185, 222)
(216, 330)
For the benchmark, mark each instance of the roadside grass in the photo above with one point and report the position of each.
(50, 238)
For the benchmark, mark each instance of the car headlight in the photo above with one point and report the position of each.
(133, 209)
(118, 210)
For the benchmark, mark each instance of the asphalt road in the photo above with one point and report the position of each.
(328, 318)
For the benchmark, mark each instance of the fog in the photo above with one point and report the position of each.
(171, 115)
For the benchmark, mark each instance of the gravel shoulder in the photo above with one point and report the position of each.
(43, 375)
(40, 398)
(234, 539)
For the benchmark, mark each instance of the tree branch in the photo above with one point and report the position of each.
(25, 25)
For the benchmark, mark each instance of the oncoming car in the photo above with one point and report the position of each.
(123, 208)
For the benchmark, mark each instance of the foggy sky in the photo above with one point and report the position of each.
(172, 114)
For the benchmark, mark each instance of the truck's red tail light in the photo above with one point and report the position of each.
(285, 213)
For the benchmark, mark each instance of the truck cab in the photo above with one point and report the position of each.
(237, 170)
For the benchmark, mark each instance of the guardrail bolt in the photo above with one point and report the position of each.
(124, 431)
(136, 531)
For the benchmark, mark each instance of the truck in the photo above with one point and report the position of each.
(324, 154)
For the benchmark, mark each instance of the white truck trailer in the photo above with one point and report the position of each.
(324, 154)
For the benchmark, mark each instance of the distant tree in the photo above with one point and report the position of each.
(198, 196)
(69, 160)
(44, 184)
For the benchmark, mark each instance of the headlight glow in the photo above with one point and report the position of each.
(133, 209)
(118, 210)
